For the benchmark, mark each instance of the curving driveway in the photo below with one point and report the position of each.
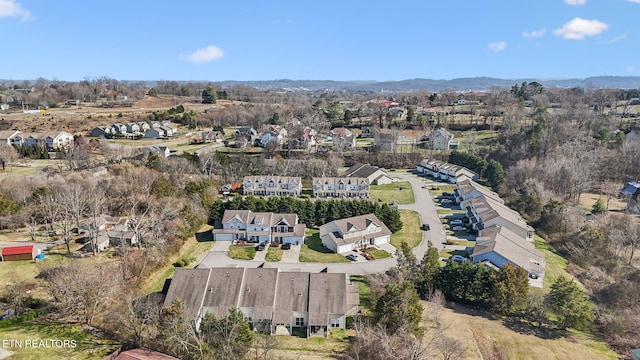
(423, 205)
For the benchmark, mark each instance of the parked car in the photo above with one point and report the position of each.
(260, 247)
(459, 228)
(352, 257)
(426, 227)
(446, 201)
(459, 258)
(456, 222)
(285, 246)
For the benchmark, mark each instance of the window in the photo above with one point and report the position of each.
(335, 323)
(299, 321)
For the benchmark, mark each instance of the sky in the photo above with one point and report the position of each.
(318, 40)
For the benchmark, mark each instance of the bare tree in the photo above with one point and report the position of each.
(81, 291)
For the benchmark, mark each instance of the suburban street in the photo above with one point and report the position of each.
(423, 205)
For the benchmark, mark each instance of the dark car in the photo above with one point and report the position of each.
(285, 246)
(426, 227)
(260, 247)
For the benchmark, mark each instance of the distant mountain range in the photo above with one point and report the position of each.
(460, 84)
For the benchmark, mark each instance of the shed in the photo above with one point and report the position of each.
(16, 253)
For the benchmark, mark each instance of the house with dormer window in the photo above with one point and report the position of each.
(260, 227)
(272, 185)
(347, 234)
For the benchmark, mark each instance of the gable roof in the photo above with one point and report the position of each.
(353, 224)
(140, 354)
(258, 291)
(18, 250)
(189, 286)
(292, 294)
(325, 298)
(242, 215)
(361, 170)
(223, 290)
(511, 246)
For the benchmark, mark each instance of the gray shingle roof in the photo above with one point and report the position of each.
(223, 290)
(325, 297)
(189, 286)
(258, 291)
(292, 295)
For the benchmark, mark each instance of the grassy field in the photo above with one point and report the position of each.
(87, 346)
(497, 339)
(313, 251)
(410, 231)
(437, 189)
(274, 254)
(242, 252)
(400, 192)
(555, 265)
(195, 247)
(588, 199)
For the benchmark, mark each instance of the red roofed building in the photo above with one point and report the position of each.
(15, 253)
(139, 354)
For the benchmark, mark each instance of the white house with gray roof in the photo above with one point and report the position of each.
(272, 185)
(347, 234)
(499, 246)
(340, 187)
(260, 227)
(484, 212)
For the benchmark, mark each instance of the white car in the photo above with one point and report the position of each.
(352, 257)
(459, 228)
(446, 201)
(456, 222)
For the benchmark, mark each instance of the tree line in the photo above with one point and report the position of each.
(311, 213)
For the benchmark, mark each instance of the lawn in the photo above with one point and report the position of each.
(410, 231)
(313, 251)
(242, 252)
(364, 289)
(448, 211)
(274, 254)
(378, 254)
(555, 265)
(195, 247)
(484, 338)
(87, 346)
(400, 192)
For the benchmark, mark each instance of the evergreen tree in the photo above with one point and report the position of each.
(509, 289)
(570, 304)
(494, 173)
(428, 271)
(600, 207)
(399, 308)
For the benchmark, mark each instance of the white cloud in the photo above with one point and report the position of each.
(9, 8)
(497, 46)
(632, 69)
(634, 1)
(534, 34)
(575, 2)
(618, 38)
(203, 55)
(578, 29)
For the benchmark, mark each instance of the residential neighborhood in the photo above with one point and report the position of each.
(317, 222)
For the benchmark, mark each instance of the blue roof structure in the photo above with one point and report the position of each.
(632, 188)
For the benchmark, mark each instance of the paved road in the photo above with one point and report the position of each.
(423, 205)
